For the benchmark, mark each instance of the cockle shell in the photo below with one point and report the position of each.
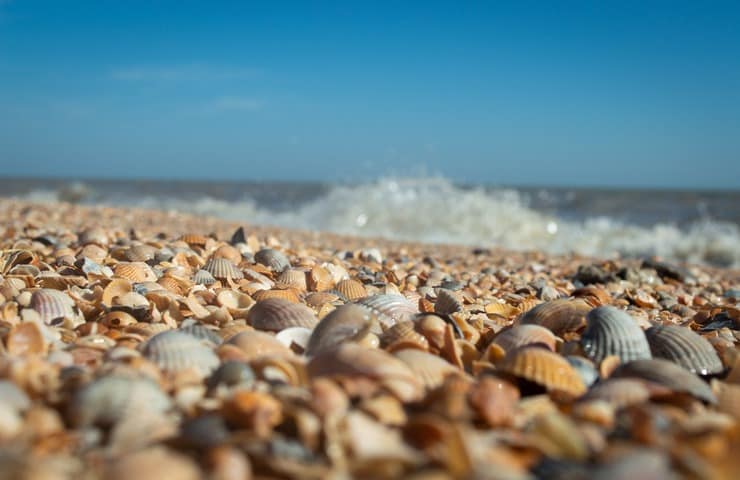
(272, 258)
(276, 314)
(135, 272)
(544, 367)
(288, 294)
(430, 369)
(390, 308)
(223, 269)
(560, 316)
(404, 335)
(175, 351)
(204, 277)
(520, 335)
(620, 392)
(254, 344)
(346, 323)
(611, 331)
(201, 332)
(685, 347)
(448, 302)
(351, 289)
(52, 305)
(293, 278)
(668, 374)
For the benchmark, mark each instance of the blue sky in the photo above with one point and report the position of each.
(575, 93)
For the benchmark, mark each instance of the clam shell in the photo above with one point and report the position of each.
(345, 324)
(276, 314)
(620, 392)
(560, 316)
(390, 308)
(135, 272)
(140, 253)
(544, 368)
(52, 304)
(272, 258)
(430, 369)
(203, 277)
(448, 302)
(25, 339)
(223, 269)
(685, 347)
(228, 252)
(611, 331)
(404, 334)
(667, 374)
(175, 351)
(520, 335)
(318, 299)
(255, 344)
(351, 289)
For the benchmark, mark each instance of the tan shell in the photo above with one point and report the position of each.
(228, 252)
(115, 288)
(237, 303)
(345, 324)
(223, 269)
(390, 308)
(543, 367)
(276, 314)
(404, 335)
(174, 352)
(293, 278)
(25, 339)
(318, 299)
(139, 253)
(52, 304)
(286, 294)
(494, 400)
(559, 316)
(428, 368)
(254, 344)
(319, 279)
(620, 392)
(520, 335)
(135, 272)
(194, 239)
(351, 289)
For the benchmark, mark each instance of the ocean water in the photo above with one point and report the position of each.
(693, 226)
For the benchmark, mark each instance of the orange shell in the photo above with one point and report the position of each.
(543, 367)
(351, 289)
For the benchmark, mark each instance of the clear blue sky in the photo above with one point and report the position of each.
(620, 93)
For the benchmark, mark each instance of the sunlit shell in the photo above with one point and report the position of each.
(254, 344)
(319, 279)
(228, 252)
(135, 272)
(276, 314)
(448, 302)
(433, 328)
(620, 392)
(544, 367)
(351, 289)
(293, 278)
(685, 347)
(611, 331)
(174, 351)
(345, 324)
(238, 303)
(173, 285)
(390, 308)
(501, 309)
(194, 239)
(287, 294)
(559, 316)
(203, 277)
(273, 259)
(294, 337)
(223, 269)
(520, 335)
(404, 335)
(318, 299)
(52, 304)
(108, 400)
(25, 339)
(668, 374)
(428, 368)
(494, 400)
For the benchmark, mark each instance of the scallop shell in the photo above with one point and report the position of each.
(390, 308)
(201, 332)
(448, 302)
(667, 374)
(255, 344)
(560, 316)
(193, 239)
(135, 272)
(430, 369)
(404, 335)
(520, 335)
(351, 289)
(287, 294)
(345, 324)
(620, 392)
(108, 400)
(611, 331)
(272, 258)
(685, 347)
(543, 367)
(223, 269)
(139, 253)
(52, 304)
(175, 351)
(276, 314)
(228, 252)
(203, 277)
(293, 278)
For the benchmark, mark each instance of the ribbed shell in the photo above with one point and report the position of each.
(204, 277)
(228, 252)
(447, 302)
(223, 269)
(108, 400)
(560, 316)
(135, 272)
(287, 294)
(140, 253)
(668, 374)
(272, 258)
(194, 239)
(428, 368)
(520, 335)
(175, 351)
(293, 278)
(390, 308)
(351, 289)
(346, 323)
(276, 314)
(52, 304)
(620, 392)
(685, 347)
(611, 331)
(404, 333)
(201, 332)
(543, 367)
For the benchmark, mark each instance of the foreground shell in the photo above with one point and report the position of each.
(544, 368)
(620, 392)
(559, 316)
(52, 304)
(390, 308)
(611, 331)
(276, 314)
(223, 269)
(175, 351)
(345, 324)
(667, 374)
(684, 347)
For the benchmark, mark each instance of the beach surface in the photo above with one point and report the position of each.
(156, 344)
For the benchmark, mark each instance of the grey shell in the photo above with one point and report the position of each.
(274, 259)
(667, 374)
(390, 308)
(346, 323)
(684, 347)
(611, 331)
(175, 351)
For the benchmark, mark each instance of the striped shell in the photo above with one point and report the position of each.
(620, 392)
(203, 277)
(430, 369)
(448, 302)
(345, 324)
(139, 253)
(175, 351)
(229, 253)
(667, 374)
(272, 258)
(520, 335)
(685, 347)
(287, 294)
(544, 368)
(611, 331)
(293, 278)
(135, 272)
(52, 304)
(351, 289)
(223, 269)
(201, 332)
(275, 314)
(193, 239)
(560, 316)
(108, 400)
(390, 308)
(404, 335)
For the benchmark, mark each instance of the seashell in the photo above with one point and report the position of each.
(273, 259)
(201, 332)
(93, 235)
(204, 432)
(345, 324)
(668, 374)
(544, 368)
(448, 302)
(237, 303)
(139, 253)
(389, 308)
(153, 462)
(293, 337)
(175, 351)
(728, 398)
(147, 329)
(230, 374)
(203, 277)
(559, 316)
(350, 360)
(257, 411)
(404, 335)
(430, 369)
(318, 299)
(115, 288)
(276, 314)
(25, 339)
(351, 289)
(557, 436)
(520, 335)
(287, 294)
(611, 331)
(254, 344)
(494, 400)
(52, 305)
(501, 309)
(228, 252)
(585, 369)
(293, 278)
(13, 397)
(173, 285)
(194, 239)
(110, 399)
(223, 269)
(620, 392)
(319, 279)
(135, 272)
(685, 347)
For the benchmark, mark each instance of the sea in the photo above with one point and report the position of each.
(676, 225)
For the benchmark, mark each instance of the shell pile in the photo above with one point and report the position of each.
(140, 344)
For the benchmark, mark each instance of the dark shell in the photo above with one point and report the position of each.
(201, 332)
(346, 323)
(611, 331)
(276, 314)
(231, 373)
(390, 308)
(204, 277)
(560, 316)
(685, 347)
(274, 259)
(447, 302)
(667, 374)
